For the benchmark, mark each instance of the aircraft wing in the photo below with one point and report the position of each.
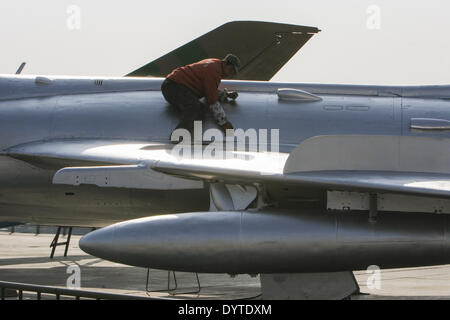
(263, 49)
(413, 183)
(128, 164)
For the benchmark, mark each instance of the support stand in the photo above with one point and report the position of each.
(173, 291)
(55, 242)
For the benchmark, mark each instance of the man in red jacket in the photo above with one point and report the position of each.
(186, 85)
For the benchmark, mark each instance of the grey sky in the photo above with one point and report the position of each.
(116, 37)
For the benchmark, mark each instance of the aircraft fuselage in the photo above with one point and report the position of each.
(38, 109)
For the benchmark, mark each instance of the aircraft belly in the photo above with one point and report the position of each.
(91, 206)
(28, 195)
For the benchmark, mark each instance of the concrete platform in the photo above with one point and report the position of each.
(24, 258)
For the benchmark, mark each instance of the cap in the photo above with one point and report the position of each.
(233, 60)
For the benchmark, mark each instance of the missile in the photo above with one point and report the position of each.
(238, 242)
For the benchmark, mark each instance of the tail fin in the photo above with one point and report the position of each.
(262, 47)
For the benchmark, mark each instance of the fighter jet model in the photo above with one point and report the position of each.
(316, 178)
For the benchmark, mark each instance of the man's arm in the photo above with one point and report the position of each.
(220, 116)
(218, 113)
(211, 83)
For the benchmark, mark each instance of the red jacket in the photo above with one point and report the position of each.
(202, 77)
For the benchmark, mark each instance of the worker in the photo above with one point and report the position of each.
(186, 85)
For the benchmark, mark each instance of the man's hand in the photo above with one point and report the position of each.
(225, 95)
(232, 94)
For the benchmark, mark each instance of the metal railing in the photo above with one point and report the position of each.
(58, 292)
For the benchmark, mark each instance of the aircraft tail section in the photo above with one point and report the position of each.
(263, 48)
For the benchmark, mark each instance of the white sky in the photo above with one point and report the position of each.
(411, 46)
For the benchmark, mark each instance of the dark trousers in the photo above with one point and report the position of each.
(185, 101)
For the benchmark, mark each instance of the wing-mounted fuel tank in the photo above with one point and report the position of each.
(273, 242)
